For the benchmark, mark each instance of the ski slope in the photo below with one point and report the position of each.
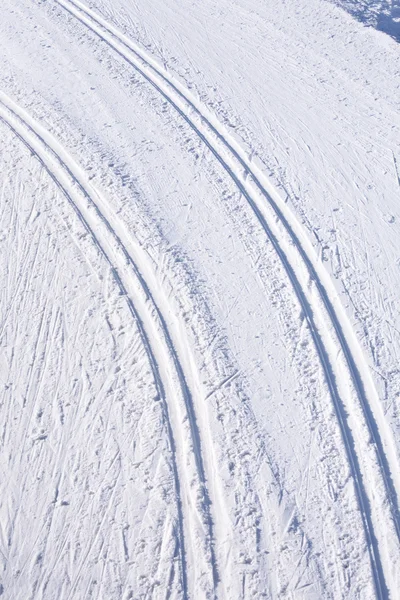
(199, 315)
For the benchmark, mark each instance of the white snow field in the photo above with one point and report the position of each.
(199, 300)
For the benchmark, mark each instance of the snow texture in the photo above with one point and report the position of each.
(199, 300)
(382, 14)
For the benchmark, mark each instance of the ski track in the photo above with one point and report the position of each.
(256, 189)
(32, 137)
(31, 145)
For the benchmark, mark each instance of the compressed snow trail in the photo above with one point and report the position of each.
(184, 437)
(329, 325)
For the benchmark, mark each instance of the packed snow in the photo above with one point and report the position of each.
(200, 300)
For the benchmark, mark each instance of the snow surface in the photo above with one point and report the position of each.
(200, 300)
(382, 14)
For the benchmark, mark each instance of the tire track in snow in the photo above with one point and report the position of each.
(194, 498)
(329, 325)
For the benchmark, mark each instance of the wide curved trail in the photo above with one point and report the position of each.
(199, 315)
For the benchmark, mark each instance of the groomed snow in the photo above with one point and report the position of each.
(200, 300)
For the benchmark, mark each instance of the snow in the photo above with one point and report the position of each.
(382, 14)
(199, 315)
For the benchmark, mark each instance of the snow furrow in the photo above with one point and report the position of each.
(195, 520)
(355, 398)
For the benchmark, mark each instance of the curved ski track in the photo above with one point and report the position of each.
(35, 138)
(278, 224)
